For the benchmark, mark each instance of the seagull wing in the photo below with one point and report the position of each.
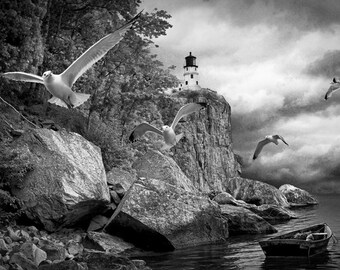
(259, 147)
(334, 87)
(141, 129)
(95, 53)
(185, 110)
(22, 76)
(281, 138)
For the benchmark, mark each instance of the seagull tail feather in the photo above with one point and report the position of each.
(80, 99)
(179, 136)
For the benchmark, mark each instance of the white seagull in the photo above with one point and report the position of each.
(335, 86)
(268, 139)
(59, 85)
(168, 133)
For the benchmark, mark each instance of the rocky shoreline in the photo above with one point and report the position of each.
(23, 247)
(88, 217)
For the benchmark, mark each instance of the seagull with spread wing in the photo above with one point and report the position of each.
(168, 133)
(335, 86)
(59, 85)
(268, 139)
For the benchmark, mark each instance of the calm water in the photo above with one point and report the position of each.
(244, 252)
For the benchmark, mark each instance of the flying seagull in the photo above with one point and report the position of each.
(268, 139)
(336, 80)
(59, 85)
(335, 86)
(168, 133)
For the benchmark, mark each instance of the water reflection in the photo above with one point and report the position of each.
(244, 252)
(299, 263)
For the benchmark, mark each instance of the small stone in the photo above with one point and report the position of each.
(112, 205)
(53, 251)
(13, 235)
(20, 259)
(33, 253)
(77, 238)
(39, 256)
(36, 240)
(28, 250)
(25, 235)
(8, 240)
(2, 267)
(6, 258)
(3, 247)
(119, 189)
(114, 197)
(74, 248)
(33, 231)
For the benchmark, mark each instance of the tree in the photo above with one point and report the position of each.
(21, 41)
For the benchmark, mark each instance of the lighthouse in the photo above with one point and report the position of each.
(190, 74)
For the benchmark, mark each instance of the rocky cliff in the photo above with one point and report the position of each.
(206, 154)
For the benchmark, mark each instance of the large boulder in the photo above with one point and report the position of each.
(156, 165)
(269, 212)
(156, 215)
(244, 221)
(67, 181)
(255, 192)
(296, 196)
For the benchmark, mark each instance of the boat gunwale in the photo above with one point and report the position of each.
(300, 243)
(282, 237)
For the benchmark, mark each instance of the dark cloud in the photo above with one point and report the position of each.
(322, 172)
(328, 65)
(304, 15)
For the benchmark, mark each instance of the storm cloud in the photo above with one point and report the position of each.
(328, 65)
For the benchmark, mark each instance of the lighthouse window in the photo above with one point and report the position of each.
(197, 82)
(186, 82)
(191, 76)
(195, 68)
(187, 69)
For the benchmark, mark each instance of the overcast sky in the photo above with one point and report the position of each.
(273, 61)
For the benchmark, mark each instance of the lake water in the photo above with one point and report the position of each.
(244, 252)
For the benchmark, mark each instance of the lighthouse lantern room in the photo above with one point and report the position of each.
(190, 74)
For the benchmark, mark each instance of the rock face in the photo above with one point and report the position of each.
(155, 165)
(119, 176)
(296, 196)
(205, 153)
(156, 215)
(67, 181)
(255, 192)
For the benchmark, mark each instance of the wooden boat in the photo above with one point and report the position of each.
(306, 242)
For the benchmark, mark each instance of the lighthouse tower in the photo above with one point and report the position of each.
(190, 74)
